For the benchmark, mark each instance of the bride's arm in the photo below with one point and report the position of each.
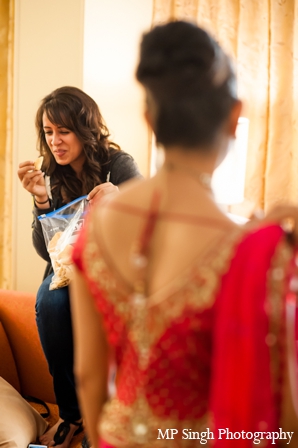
(90, 355)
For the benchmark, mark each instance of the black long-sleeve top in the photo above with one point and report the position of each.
(121, 166)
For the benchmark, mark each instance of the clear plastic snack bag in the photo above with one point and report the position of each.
(60, 229)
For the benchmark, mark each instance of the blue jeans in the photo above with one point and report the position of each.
(55, 332)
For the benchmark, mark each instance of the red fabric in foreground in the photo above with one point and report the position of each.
(103, 444)
(241, 396)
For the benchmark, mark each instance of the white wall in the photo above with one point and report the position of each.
(48, 54)
(113, 30)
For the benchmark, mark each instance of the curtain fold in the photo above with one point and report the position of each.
(279, 181)
(6, 158)
(262, 37)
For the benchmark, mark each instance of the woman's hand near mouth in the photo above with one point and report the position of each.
(32, 180)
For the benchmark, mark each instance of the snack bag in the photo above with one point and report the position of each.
(60, 229)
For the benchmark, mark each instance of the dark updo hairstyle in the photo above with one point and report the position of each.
(190, 84)
(73, 109)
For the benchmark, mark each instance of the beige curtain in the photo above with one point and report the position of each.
(262, 36)
(6, 81)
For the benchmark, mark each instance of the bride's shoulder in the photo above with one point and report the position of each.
(133, 194)
(119, 214)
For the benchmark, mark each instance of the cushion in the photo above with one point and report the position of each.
(17, 314)
(20, 424)
(8, 368)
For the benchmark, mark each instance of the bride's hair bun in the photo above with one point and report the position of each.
(176, 46)
(191, 80)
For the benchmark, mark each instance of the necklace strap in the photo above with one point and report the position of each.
(140, 249)
(204, 179)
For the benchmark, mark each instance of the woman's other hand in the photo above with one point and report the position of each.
(285, 215)
(32, 180)
(101, 191)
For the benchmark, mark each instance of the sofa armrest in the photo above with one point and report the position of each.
(17, 316)
(8, 369)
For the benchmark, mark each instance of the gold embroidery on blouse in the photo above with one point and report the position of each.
(136, 424)
(123, 426)
(198, 294)
(274, 307)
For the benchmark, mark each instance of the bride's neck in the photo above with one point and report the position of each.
(192, 160)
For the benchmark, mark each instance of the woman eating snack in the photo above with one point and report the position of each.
(78, 159)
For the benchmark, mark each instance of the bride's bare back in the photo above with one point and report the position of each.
(188, 224)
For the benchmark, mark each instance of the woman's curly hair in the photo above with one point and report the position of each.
(73, 109)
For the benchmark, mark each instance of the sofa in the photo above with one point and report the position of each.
(22, 362)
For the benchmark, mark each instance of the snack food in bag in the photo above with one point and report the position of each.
(60, 229)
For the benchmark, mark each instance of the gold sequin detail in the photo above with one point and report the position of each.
(275, 308)
(119, 426)
(198, 294)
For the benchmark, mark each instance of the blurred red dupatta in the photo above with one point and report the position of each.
(249, 338)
